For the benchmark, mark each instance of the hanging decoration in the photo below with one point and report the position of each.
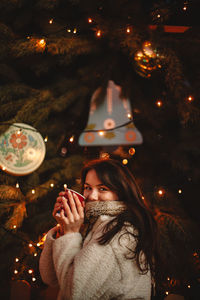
(147, 60)
(110, 123)
(22, 149)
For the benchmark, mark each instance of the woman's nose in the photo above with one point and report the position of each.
(93, 196)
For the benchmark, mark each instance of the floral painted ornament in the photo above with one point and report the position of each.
(22, 149)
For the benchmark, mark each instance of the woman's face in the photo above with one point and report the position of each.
(95, 190)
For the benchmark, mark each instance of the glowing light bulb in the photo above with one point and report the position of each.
(158, 16)
(30, 245)
(142, 197)
(33, 279)
(30, 271)
(101, 133)
(14, 226)
(98, 33)
(167, 293)
(65, 186)
(51, 185)
(89, 20)
(128, 30)
(38, 244)
(15, 271)
(189, 286)
(51, 21)
(179, 191)
(33, 191)
(125, 161)
(42, 43)
(71, 139)
(35, 254)
(16, 259)
(68, 30)
(104, 155)
(159, 103)
(46, 139)
(168, 278)
(17, 185)
(75, 30)
(3, 168)
(129, 116)
(184, 7)
(18, 131)
(131, 151)
(160, 192)
(190, 98)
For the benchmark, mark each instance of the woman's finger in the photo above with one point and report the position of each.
(67, 209)
(79, 206)
(62, 193)
(59, 199)
(72, 203)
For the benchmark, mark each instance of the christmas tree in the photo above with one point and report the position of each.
(54, 55)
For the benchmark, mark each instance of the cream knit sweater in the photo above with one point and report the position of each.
(89, 271)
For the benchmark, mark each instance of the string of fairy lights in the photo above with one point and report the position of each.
(42, 43)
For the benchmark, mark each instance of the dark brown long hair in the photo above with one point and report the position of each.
(120, 180)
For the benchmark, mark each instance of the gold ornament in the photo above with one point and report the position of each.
(147, 60)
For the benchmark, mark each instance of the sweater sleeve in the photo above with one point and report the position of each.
(89, 273)
(46, 266)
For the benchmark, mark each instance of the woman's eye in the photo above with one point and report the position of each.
(87, 188)
(103, 189)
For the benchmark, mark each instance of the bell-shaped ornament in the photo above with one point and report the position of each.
(110, 122)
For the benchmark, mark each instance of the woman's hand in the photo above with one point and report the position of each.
(71, 212)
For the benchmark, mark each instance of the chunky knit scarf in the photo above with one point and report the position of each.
(94, 209)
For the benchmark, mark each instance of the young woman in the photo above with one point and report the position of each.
(111, 255)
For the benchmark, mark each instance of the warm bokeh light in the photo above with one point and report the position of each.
(51, 21)
(33, 191)
(125, 161)
(42, 43)
(89, 20)
(51, 185)
(131, 151)
(98, 33)
(159, 103)
(101, 133)
(71, 139)
(104, 155)
(190, 98)
(161, 192)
